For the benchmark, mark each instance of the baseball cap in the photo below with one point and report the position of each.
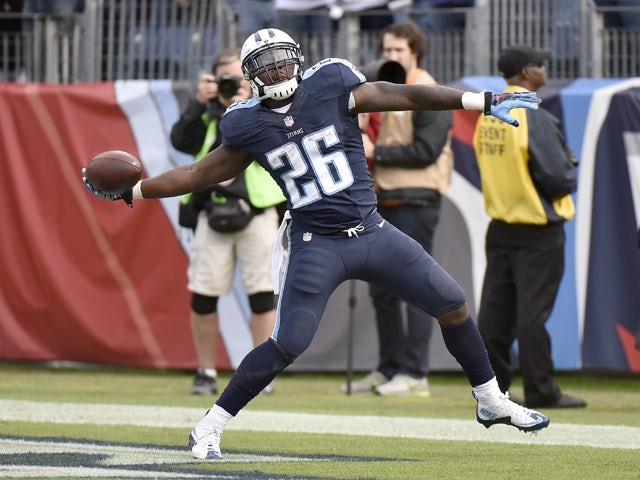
(514, 58)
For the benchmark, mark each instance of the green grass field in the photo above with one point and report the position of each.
(96, 423)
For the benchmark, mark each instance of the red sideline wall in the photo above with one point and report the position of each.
(82, 279)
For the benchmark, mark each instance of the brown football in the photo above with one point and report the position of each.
(114, 171)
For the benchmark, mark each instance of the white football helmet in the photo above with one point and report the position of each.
(270, 53)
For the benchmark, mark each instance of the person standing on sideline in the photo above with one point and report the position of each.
(527, 177)
(303, 128)
(412, 169)
(215, 254)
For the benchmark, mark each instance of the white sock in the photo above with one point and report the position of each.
(218, 417)
(488, 392)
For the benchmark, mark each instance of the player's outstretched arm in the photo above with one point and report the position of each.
(384, 96)
(219, 165)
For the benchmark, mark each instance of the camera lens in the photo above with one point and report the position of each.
(228, 85)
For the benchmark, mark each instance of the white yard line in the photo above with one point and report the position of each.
(22, 471)
(598, 436)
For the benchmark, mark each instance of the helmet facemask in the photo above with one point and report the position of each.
(272, 67)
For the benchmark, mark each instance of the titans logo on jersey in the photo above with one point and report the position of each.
(313, 148)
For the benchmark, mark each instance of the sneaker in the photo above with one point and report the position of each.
(204, 441)
(510, 413)
(204, 385)
(367, 384)
(402, 385)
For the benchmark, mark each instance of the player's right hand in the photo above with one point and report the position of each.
(126, 196)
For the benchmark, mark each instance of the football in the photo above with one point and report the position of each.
(114, 171)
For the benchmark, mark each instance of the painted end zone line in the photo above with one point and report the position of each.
(598, 436)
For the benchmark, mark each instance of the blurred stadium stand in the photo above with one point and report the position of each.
(152, 39)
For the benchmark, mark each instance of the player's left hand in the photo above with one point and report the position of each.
(499, 104)
(126, 196)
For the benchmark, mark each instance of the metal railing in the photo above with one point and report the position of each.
(566, 27)
(113, 39)
(149, 39)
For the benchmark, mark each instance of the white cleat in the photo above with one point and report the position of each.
(510, 413)
(205, 442)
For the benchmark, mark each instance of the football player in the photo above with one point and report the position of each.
(302, 127)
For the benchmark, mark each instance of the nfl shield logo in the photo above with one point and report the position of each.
(288, 120)
(306, 237)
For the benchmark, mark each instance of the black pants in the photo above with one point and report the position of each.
(404, 347)
(525, 264)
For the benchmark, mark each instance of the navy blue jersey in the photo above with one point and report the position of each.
(313, 150)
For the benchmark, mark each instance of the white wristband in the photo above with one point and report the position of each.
(137, 190)
(473, 101)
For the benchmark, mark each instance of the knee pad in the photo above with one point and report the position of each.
(297, 331)
(262, 302)
(204, 305)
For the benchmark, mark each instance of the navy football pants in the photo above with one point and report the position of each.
(381, 255)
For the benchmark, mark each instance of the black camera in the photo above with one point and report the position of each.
(384, 70)
(228, 85)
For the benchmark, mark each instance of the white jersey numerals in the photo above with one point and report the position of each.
(332, 172)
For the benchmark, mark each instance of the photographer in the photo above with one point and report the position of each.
(210, 102)
(412, 164)
(234, 223)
